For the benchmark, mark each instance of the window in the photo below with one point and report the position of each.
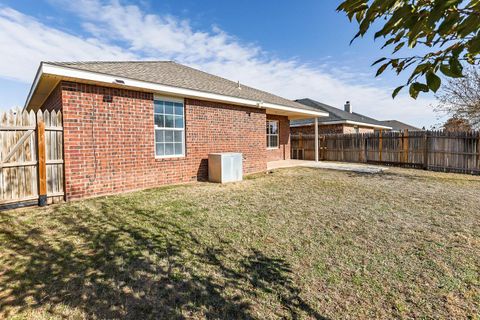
(169, 128)
(272, 134)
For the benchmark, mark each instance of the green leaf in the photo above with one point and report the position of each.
(474, 45)
(413, 92)
(415, 89)
(378, 61)
(420, 86)
(445, 69)
(421, 68)
(469, 25)
(433, 81)
(382, 68)
(396, 91)
(455, 66)
(398, 47)
(447, 24)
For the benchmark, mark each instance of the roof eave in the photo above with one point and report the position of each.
(107, 79)
(36, 80)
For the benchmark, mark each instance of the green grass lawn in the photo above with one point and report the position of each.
(296, 243)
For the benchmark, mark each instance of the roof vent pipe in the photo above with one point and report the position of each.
(239, 86)
(348, 107)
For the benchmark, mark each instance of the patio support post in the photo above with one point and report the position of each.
(316, 139)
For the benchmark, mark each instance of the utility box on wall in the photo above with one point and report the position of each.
(225, 167)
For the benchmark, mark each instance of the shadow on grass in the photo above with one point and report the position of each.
(123, 262)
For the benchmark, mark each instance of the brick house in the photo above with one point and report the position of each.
(338, 121)
(136, 125)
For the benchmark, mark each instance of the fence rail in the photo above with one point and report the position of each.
(31, 157)
(431, 150)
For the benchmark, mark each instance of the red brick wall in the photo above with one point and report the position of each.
(109, 143)
(54, 100)
(283, 151)
(351, 129)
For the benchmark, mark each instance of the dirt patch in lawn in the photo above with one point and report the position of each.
(296, 243)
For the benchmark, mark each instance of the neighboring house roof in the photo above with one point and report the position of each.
(171, 77)
(399, 126)
(337, 116)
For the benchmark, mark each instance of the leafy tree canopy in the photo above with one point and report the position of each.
(448, 29)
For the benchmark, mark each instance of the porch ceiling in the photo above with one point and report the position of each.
(293, 115)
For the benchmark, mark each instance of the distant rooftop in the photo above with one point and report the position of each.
(335, 115)
(399, 126)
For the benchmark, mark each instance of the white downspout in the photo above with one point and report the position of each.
(316, 139)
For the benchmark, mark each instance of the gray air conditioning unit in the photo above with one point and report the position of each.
(225, 167)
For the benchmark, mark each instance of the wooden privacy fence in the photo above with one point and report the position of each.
(431, 150)
(31, 157)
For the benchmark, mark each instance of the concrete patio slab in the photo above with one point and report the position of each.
(343, 166)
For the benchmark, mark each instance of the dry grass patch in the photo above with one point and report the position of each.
(297, 243)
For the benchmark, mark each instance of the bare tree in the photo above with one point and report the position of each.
(455, 124)
(460, 97)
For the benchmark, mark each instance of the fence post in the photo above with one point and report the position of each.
(42, 165)
(365, 147)
(405, 145)
(478, 150)
(425, 150)
(380, 145)
(316, 139)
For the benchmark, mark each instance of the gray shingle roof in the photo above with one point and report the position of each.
(335, 114)
(398, 125)
(176, 75)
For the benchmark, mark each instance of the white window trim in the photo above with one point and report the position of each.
(278, 134)
(184, 144)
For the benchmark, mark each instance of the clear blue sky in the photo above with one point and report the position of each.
(295, 49)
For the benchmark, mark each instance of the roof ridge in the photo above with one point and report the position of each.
(110, 61)
(235, 83)
(208, 82)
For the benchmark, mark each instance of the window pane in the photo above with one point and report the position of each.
(169, 114)
(169, 150)
(178, 149)
(268, 141)
(168, 136)
(159, 150)
(178, 108)
(268, 127)
(169, 121)
(159, 120)
(178, 136)
(274, 127)
(159, 136)
(168, 107)
(178, 121)
(158, 106)
(273, 141)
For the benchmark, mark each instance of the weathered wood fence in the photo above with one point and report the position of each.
(431, 150)
(31, 157)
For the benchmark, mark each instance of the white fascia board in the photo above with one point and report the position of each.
(38, 75)
(46, 68)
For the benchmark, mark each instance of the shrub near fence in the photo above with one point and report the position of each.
(431, 150)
